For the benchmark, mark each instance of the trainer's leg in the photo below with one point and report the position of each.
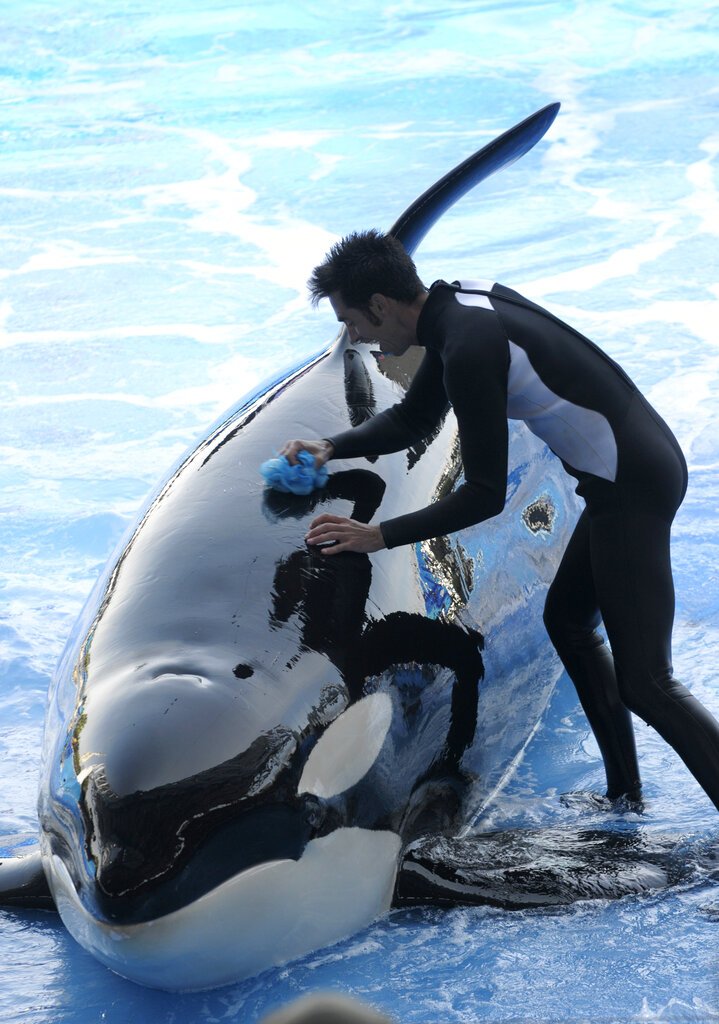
(571, 616)
(633, 578)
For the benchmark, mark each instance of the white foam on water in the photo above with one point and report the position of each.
(220, 391)
(703, 201)
(622, 263)
(219, 204)
(65, 254)
(678, 1010)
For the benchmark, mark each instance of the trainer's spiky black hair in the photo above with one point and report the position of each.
(363, 264)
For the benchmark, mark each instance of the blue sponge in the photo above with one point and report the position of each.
(301, 478)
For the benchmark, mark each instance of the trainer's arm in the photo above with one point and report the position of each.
(476, 371)
(402, 425)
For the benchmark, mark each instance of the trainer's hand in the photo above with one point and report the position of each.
(344, 535)
(322, 451)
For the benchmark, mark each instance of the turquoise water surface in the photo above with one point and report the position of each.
(170, 174)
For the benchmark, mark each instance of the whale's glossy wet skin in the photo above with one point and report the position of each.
(244, 734)
(180, 776)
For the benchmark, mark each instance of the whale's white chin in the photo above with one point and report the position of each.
(265, 916)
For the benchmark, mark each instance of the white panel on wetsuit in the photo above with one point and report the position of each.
(581, 437)
(475, 300)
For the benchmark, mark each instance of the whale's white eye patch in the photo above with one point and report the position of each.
(348, 749)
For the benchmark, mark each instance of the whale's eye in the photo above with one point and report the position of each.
(243, 671)
(348, 748)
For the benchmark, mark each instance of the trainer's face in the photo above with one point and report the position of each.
(381, 324)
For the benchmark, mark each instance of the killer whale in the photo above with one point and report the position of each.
(241, 738)
(524, 869)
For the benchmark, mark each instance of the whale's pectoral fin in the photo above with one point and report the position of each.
(536, 868)
(23, 883)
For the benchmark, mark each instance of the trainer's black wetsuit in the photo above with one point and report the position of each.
(492, 354)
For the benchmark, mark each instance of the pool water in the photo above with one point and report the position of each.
(170, 174)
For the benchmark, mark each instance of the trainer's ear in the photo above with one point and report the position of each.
(348, 748)
(378, 305)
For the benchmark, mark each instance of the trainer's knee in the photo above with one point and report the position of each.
(632, 693)
(644, 693)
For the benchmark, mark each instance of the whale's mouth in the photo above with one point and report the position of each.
(149, 853)
(261, 917)
(132, 886)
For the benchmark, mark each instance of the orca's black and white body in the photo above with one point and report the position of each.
(243, 736)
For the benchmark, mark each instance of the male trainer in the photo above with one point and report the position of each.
(491, 354)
